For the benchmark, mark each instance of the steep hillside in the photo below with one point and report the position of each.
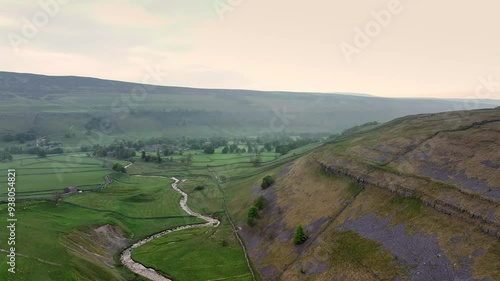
(416, 198)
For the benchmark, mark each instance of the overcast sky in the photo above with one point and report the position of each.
(419, 48)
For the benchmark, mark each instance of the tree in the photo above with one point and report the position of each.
(41, 153)
(256, 160)
(119, 168)
(5, 156)
(143, 154)
(232, 148)
(209, 150)
(300, 235)
(268, 146)
(253, 213)
(250, 149)
(225, 150)
(189, 159)
(8, 138)
(56, 197)
(267, 181)
(158, 156)
(16, 150)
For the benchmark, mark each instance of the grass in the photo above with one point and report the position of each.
(46, 224)
(352, 251)
(130, 196)
(355, 188)
(409, 205)
(196, 254)
(41, 177)
(136, 196)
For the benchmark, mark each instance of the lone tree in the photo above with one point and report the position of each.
(300, 235)
(267, 181)
(253, 213)
(143, 154)
(189, 159)
(256, 160)
(57, 197)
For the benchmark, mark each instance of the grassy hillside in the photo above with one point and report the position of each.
(415, 198)
(373, 201)
(87, 108)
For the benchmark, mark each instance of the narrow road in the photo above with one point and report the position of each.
(126, 256)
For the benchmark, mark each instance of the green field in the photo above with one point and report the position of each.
(135, 196)
(42, 177)
(139, 206)
(217, 255)
(48, 225)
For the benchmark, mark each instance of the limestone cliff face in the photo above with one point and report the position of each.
(420, 193)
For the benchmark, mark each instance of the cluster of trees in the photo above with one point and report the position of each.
(43, 152)
(153, 158)
(5, 156)
(280, 143)
(21, 137)
(14, 149)
(267, 181)
(233, 148)
(209, 149)
(253, 212)
(126, 149)
(202, 143)
(117, 150)
(119, 168)
(284, 147)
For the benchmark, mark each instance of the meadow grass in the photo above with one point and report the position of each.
(46, 223)
(135, 196)
(196, 254)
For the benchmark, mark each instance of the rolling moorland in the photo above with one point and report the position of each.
(411, 198)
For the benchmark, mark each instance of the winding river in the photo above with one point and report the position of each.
(126, 256)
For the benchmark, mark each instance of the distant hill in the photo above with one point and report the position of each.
(54, 104)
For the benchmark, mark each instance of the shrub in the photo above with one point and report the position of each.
(300, 235)
(199, 188)
(267, 181)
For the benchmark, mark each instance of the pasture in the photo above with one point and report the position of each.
(139, 206)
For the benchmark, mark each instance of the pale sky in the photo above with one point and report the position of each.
(419, 48)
